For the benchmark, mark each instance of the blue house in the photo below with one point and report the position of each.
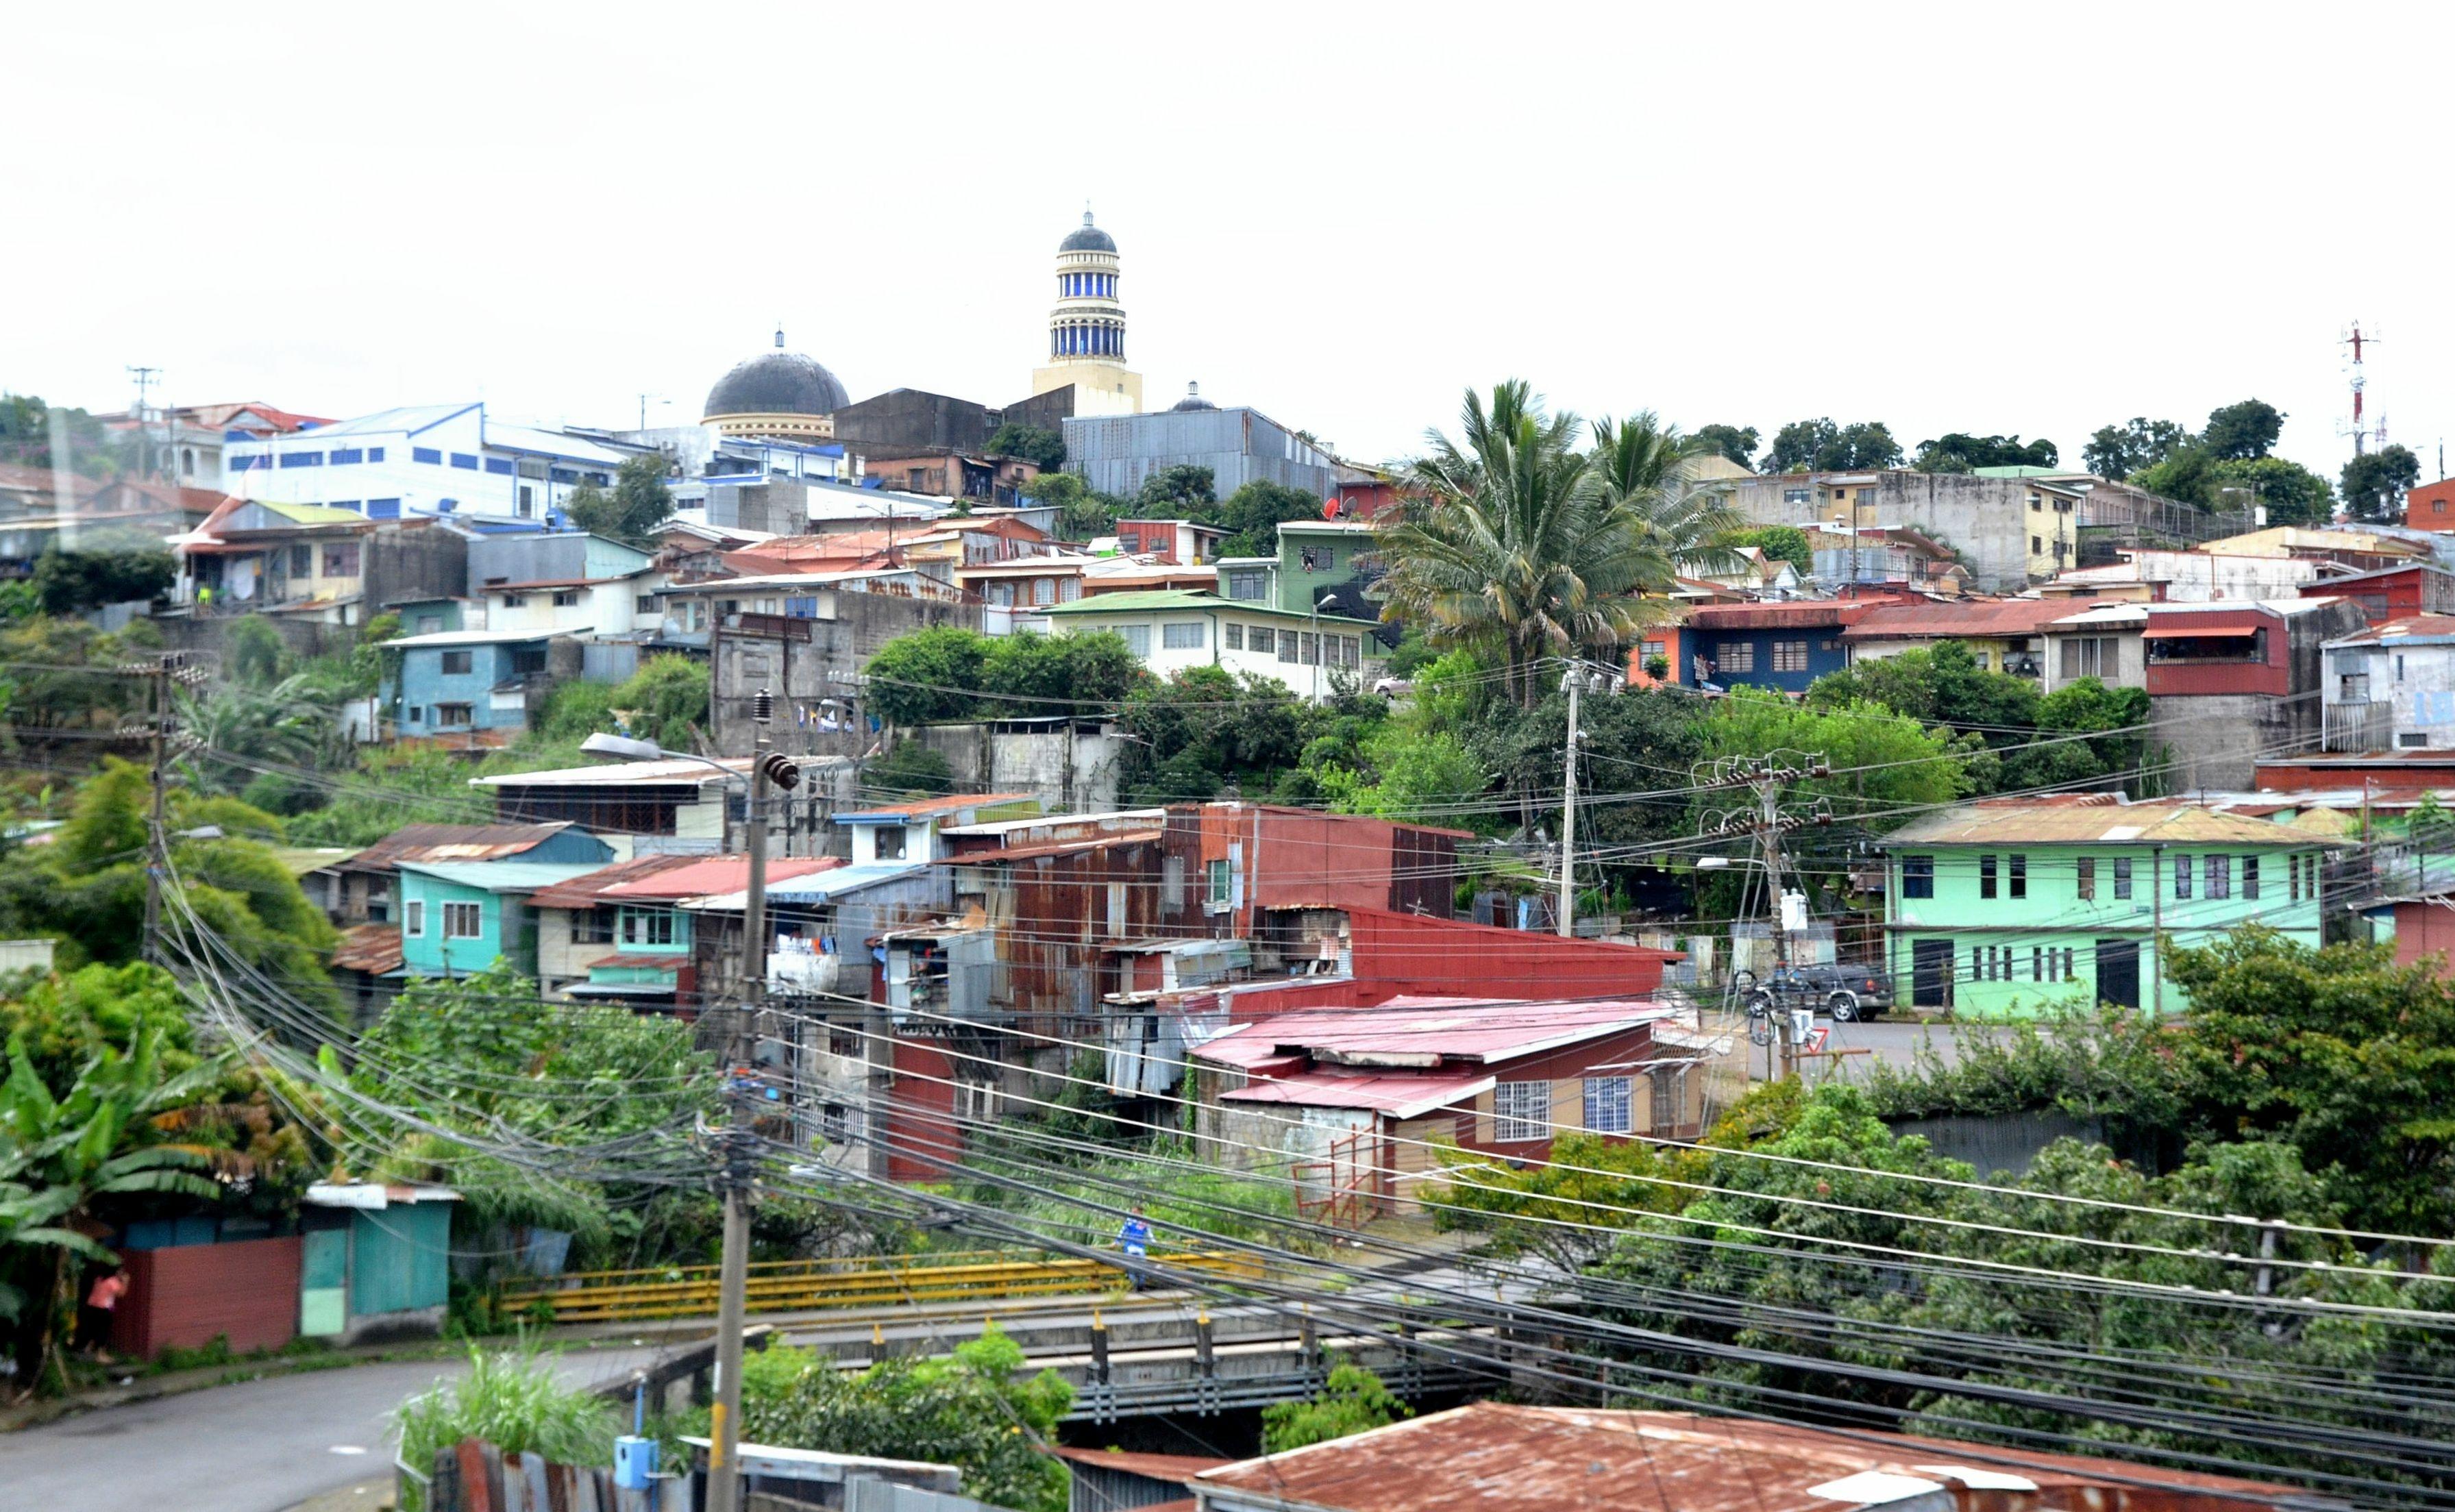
(457, 680)
(458, 917)
(1781, 646)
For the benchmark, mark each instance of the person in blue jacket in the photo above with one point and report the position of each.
(1135, 1239)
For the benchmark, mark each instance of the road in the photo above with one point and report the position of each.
(254, 1447)
(1893, 1041)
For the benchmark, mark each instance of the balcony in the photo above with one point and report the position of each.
(2356, 725)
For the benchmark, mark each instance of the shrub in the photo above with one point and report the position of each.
(513, 1398)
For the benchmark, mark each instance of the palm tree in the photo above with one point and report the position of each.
(58, 1154)
(1516, 543)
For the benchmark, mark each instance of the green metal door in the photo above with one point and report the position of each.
(323, 1282)
(400, 1259)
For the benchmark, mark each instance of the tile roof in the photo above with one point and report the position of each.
(2030, 822)
(450, 842)
(1494, 1457)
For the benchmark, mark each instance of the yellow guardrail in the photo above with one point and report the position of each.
(779, 1286)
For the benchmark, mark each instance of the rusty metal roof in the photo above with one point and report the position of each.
(450, 842)
(1154, 1467)
(1981, 618)
(371, 948)
(1493, 1456)
(2023, 821)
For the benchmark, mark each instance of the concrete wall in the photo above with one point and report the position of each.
(806, 660)
(1071, 770)
(406, 564)
(1988, 520)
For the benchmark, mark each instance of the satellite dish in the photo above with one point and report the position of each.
(1330, 508)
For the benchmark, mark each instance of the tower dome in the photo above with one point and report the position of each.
(1193, 399)
(1088, 238)
(777, 392)
(1086, 328)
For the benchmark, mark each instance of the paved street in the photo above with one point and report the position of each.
(254, 1447)
(1893, 1041)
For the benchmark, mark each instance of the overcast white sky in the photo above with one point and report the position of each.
(1948, 217)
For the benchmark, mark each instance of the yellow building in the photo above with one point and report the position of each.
(1087, 329)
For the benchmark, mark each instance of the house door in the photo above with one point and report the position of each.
(2117, 972)
(1931, 973)
(323, 1280)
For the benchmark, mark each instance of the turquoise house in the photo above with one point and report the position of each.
(458, 917)
(374, 1259)
(2003, 908)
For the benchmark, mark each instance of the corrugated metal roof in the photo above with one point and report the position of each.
(500, 877)
(450, 842)
(715, 874)
(2024, 822)
(1775, 616)
(1154, 1467)
(1025, 853)
(372, 947)
(931, 808)
(1493, 1456)
(2000, 617)
(1399, 1094)
(1182, 600)
(482, 637)
(2423, 627)
(1485, 1032)
(583, 892)
(621, 774)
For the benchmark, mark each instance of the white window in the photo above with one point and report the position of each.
(414, 918)
(1181, 636)
(1521, 1111)
(1137, 638)
(647, 926)
(1043, 589)
(1231, 637)
(1263, 640)
(1608, 1105)
(463, 921)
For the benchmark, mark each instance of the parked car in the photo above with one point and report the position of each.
(1850, 993)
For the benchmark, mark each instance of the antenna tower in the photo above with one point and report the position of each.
(2361, 430)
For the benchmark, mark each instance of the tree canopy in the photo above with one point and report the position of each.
(1737, 443)
(1820, 446)
(1041, 447)
(948, 675)
(1958, 453)
(2375, 483)
(1175, 491)
(2243, 432)
(2119, 451)
(638, 503)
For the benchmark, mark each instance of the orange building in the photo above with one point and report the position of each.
(2432, 507)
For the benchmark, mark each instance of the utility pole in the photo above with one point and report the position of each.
(1573, 682)
(1765, 776)
(156, 846)
(741, 1137)
(145, 377)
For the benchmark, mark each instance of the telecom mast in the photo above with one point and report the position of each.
(2361, 430)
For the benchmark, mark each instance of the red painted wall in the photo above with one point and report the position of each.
(2272, 676)
(1399, 952)
(188, 1294)
(2423, 930)
(2385, 774)
(919, 1125)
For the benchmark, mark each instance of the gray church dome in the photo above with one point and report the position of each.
(777, 382)
(1088, 238)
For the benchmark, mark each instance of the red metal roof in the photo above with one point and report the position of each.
(715, 874)
(1493, 1456)
(1154, 1467)
(1996, 616)
(583, 892)
(1398, 1037)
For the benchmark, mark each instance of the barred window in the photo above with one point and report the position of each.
(1521, 1111)
(1608, 1106)
(1231, 637)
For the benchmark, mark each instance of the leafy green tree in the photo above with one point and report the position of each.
(666, 700)
(976, 1411)
(1081, 513)
(1252, 514)
(640, 502)
(28, 426)
(61, 1153)
(1412, 777)
(1737, 443)
(2119, 451)
(72, 582)
(929, 677)
(1959, 452)
(1178, 489)
(1820, 446)
(1786, 543)
(2293, 494)
(1352, 1400)
(908, 769)
(2243, 431)
(1042, 448)
(1518, 546)
(2374, 484)
(1028, 675)
(1203, 729)
(1883, 764)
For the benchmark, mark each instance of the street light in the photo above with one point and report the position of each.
(766, 769)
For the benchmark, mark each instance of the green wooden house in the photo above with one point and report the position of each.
(2003, 908)
(457, 917)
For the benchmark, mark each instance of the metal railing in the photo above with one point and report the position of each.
(683, 1291)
